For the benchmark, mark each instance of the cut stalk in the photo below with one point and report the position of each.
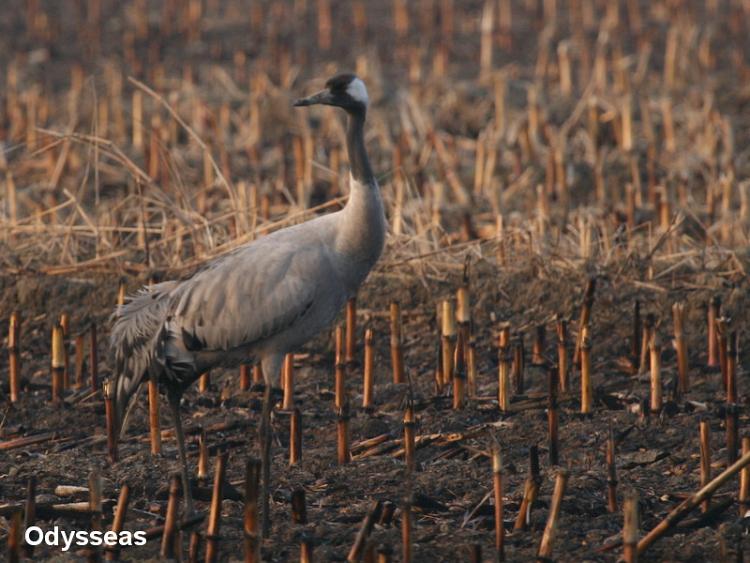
(517, 367)
(113, 553)
(153, 415)
(339, 377)
(680, 346)
(409, 439)
(306, 550)
(545, 547)
(636, 341)
(630, 528)
(57, 364)
(656, 385)
(65, 326)
(95, 508)
(369, 365)
(79, 361)
(721, 331)
(588, 301)
(471, 369)
(744, 496)
(562, 353)
(351, 330)
(530, 490)
(93, 359)
(732, 423)
(504, 368)
(355, 553)
(214, 516)
(497, 485)
(475, 553)
(648, 331)
(121, 294)
(299, 507)
(705, 455)
(342, 435)
(14, 537)
(204, 382)
(288, 402)
(731, 368)
(714, 310)
(202, 457)
(563, 55)
(29, 511)
(586, 385)
(168, 539)
(537, 347)
(611, 474)
(137, 113)
(406, 552)
(459, 373)
(109, 412)
(448, 338)
(244, 377)
(14, 364)
(553, 424)
(252, 540)
(295, 437)
(685, 507)
(397, 355)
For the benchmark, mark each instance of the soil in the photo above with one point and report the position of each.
(526, 283)
(657, 455)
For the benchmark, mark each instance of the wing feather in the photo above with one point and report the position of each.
(250, 296)
(134, 340)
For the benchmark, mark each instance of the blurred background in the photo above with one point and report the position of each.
(149, 134)
(524, 149)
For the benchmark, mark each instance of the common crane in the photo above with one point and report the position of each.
(259, 302)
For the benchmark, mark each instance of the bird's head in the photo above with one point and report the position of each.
(346, 91)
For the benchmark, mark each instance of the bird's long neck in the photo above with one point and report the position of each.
(355, 145)
(361, 233)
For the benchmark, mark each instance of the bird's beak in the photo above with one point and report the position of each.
(323, 97)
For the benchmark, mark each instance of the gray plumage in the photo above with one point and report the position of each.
(264, 299)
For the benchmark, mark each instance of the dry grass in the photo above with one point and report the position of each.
(620, 139)
(542, 142)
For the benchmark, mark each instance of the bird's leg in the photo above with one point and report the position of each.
(265, 444)
(271, 367)
(174, 402)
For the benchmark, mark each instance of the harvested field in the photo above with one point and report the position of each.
(578, 170)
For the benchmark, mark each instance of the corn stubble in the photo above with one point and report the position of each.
(575, 166)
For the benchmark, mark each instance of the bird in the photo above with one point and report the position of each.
(259, 302)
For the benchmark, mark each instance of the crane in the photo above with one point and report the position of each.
(260, 301)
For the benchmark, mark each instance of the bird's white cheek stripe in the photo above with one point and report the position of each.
(357, 91)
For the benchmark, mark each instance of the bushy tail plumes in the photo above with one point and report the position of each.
(134, 342)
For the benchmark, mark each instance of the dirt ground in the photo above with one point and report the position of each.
(523, 279)
(657, 454)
